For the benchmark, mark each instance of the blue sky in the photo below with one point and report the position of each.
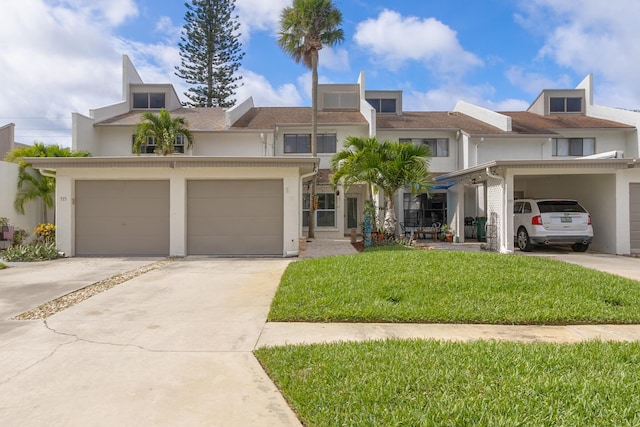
(64, 56)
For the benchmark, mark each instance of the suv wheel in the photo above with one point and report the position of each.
(523, 240)
(580, 247)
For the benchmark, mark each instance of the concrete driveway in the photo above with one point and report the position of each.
(170, 347)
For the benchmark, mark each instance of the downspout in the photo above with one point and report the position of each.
(46, 172)
(504, 233)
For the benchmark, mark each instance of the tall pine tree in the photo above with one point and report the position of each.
(210, 53)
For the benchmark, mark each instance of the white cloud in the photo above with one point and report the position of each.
(334, 59)
(260, 15)
(115, 12)
(445, 97)
(534, 83)
(395, 39)
(592, 36)
(264, 94)
(60, 57)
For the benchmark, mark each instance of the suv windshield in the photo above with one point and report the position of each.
(560, 206)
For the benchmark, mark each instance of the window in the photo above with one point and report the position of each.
(438, 147)
(565, 105)
(340, 101)
(301, 143)
(325, 212)
(383, 105)
(421, 210)
(149, 146)
(563, 147)
(521, 207)
(148, 100)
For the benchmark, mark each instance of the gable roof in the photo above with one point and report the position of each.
(199, 119)
(270, 117)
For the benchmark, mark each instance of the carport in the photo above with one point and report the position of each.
(605, 187)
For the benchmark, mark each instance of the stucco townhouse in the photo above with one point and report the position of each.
(242, 188)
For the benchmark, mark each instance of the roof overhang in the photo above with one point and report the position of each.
(494, 166)
(306, 165)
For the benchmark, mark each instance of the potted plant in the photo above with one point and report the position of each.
(447, 232)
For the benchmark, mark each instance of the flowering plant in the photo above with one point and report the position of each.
(45, 233)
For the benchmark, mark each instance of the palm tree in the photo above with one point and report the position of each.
(32, 185)
(164, 130)
(305, 28)
(387, 165)
(402, 164)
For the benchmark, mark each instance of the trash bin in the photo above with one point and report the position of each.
(481, 222)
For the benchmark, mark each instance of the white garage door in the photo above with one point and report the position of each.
(234, 217)
(122, 217)
(634, 211)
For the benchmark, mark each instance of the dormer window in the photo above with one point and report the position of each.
(383, 105)
(339, 100)
(148, 101)
(565, 105)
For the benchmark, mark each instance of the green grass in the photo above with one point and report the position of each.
(2, 266)
(483, 383)
(452, 287)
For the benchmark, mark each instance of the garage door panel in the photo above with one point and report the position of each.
(235, 217)
(122, 217)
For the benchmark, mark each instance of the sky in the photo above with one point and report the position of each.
(64, 56)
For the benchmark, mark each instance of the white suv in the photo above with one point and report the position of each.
(551, 221)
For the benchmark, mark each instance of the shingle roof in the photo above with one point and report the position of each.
(523, 122)
(199, 119)
(434, 120)
(269, 117)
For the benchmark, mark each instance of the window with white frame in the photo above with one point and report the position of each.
(438, 147)
(301, 143)
(325, 211)
(149, 145)
(577, 147)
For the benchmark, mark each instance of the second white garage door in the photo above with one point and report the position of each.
(242, 217)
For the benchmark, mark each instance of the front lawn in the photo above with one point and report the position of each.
(482, 383)
(452, 287)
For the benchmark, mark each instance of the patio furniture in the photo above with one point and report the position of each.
(432, 231)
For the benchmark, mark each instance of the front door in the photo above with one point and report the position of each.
(352, 213)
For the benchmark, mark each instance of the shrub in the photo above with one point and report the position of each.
(19, 236)
(34, 252)
(45, 233)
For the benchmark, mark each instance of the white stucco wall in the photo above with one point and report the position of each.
(8, 187)
(228, 144)
(490, 149)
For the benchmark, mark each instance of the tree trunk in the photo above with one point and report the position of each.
(314, 137)
(390, 220)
